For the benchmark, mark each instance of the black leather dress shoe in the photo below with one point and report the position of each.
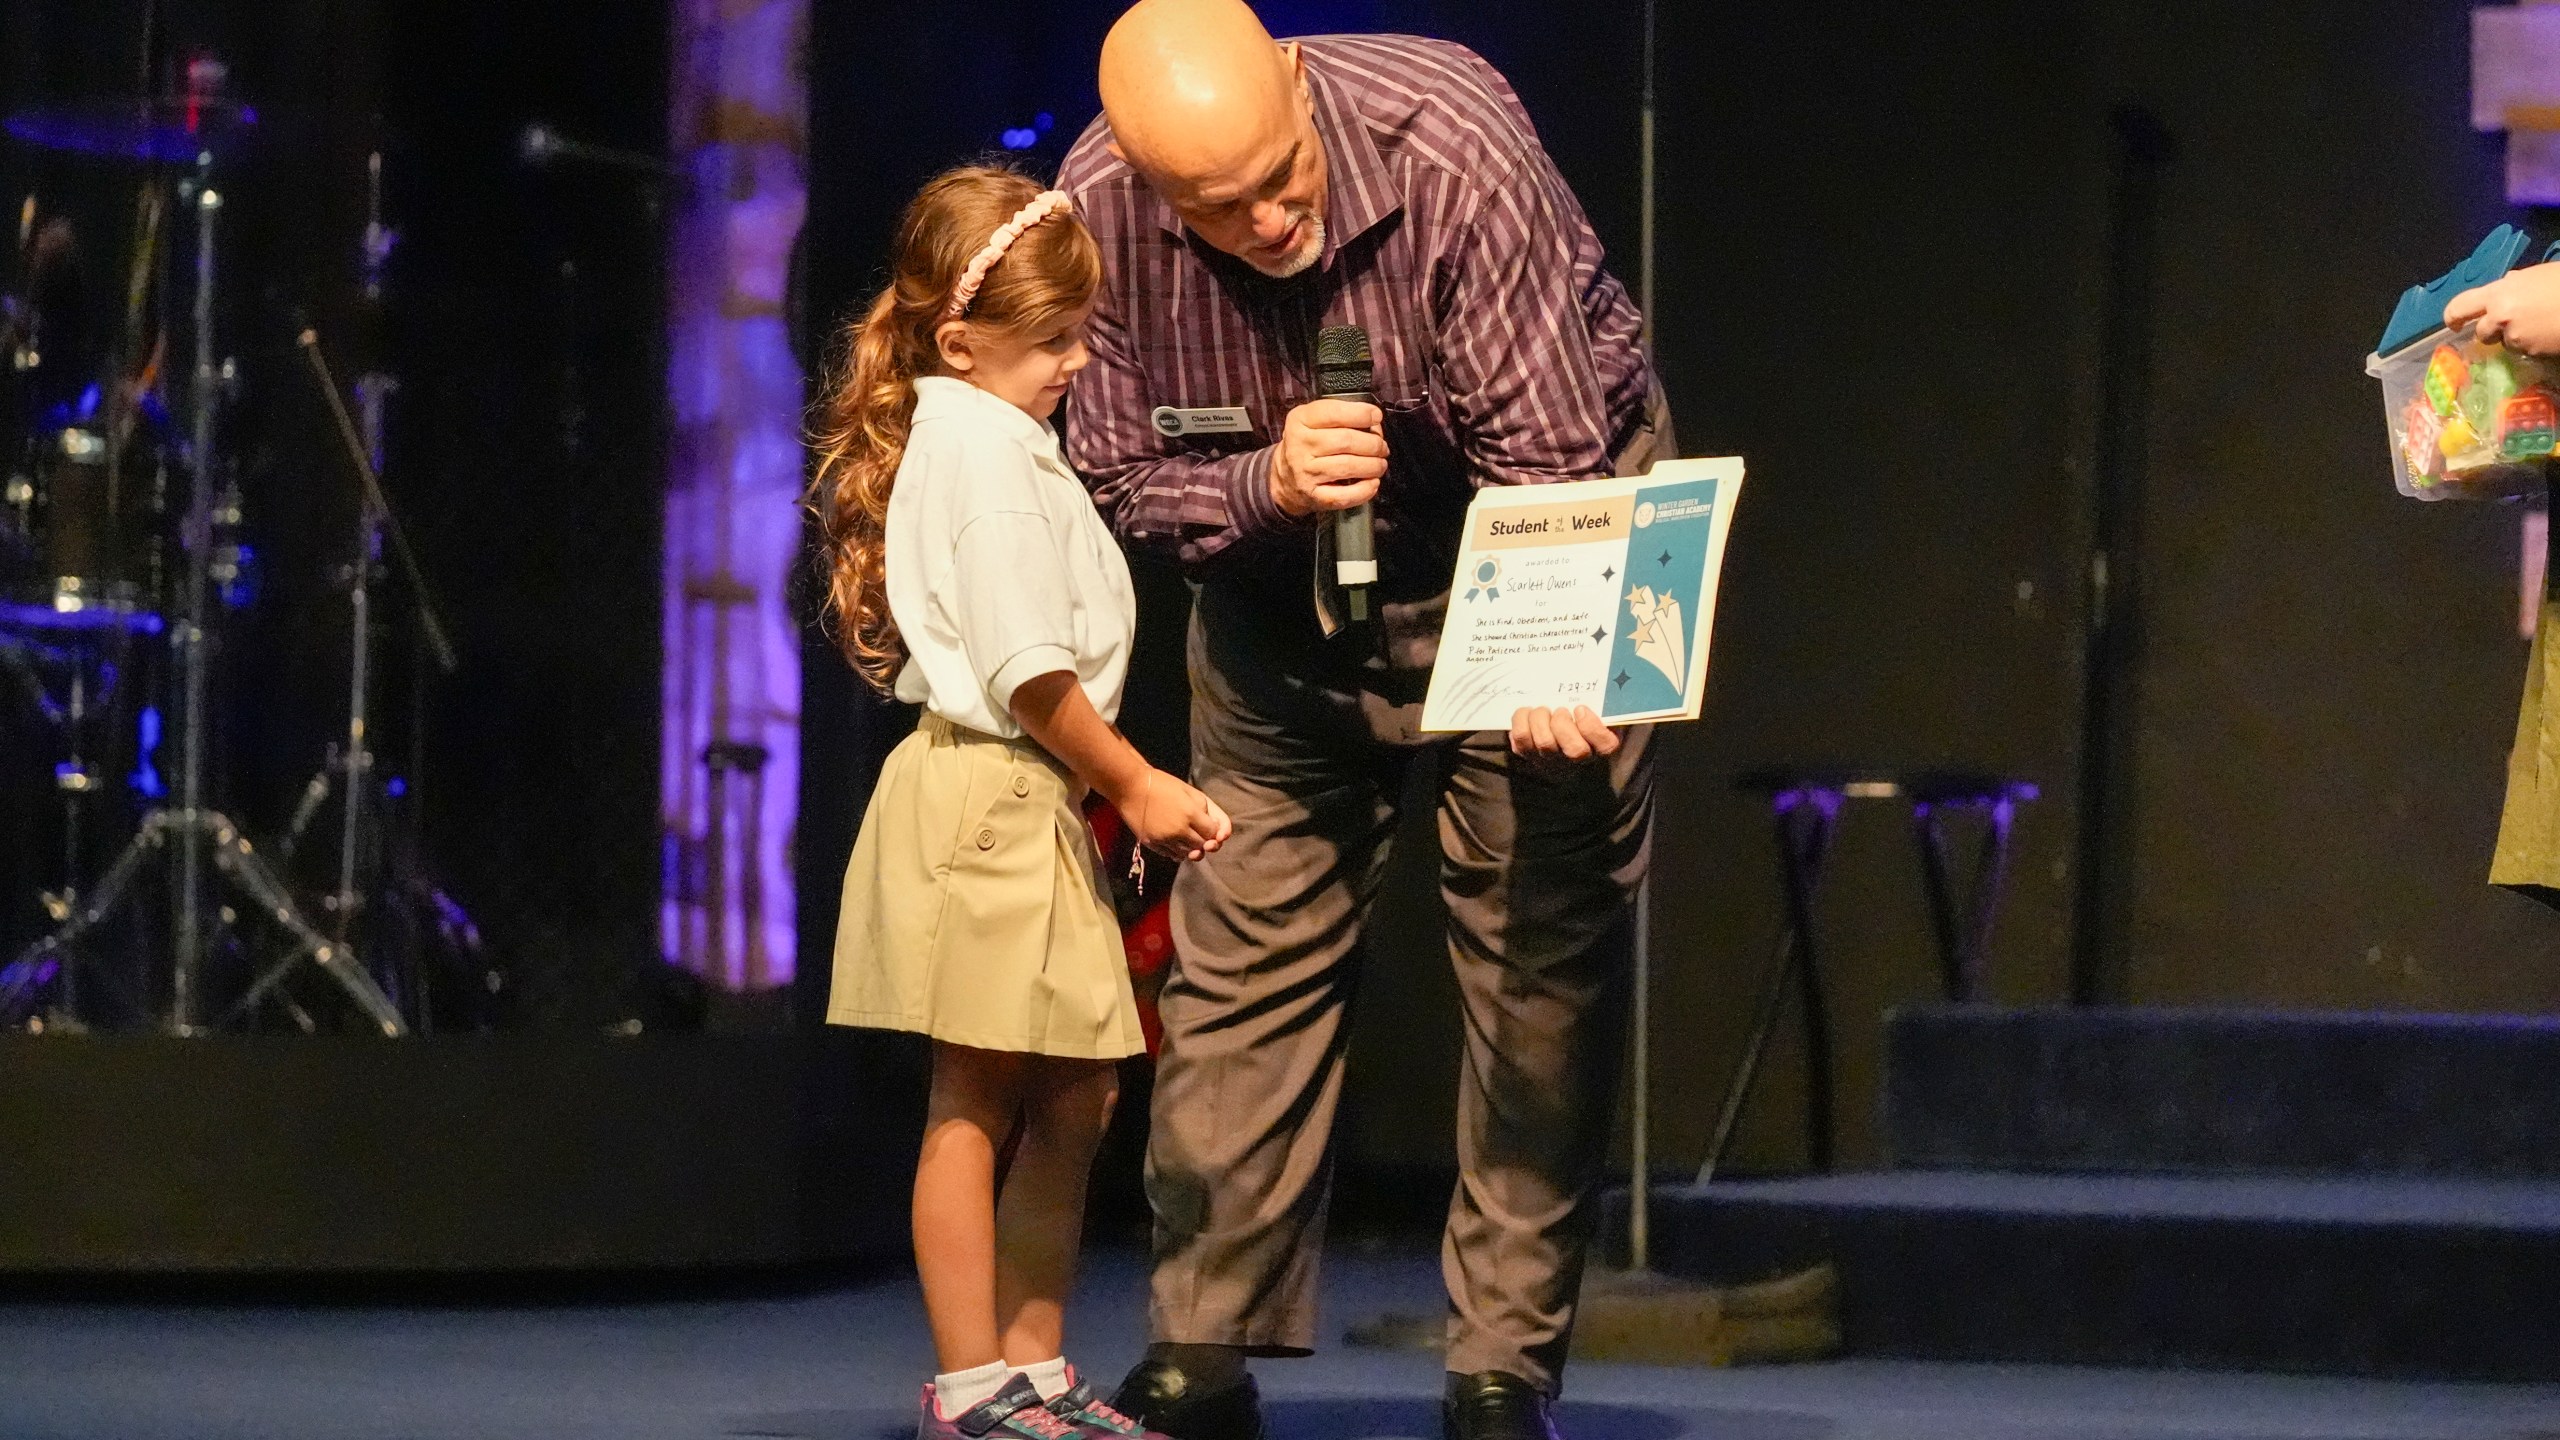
(1161, 1397)
(1495, 1406)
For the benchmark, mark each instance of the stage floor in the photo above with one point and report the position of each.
(844, 1365)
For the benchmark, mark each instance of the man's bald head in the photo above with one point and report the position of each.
(1214, 115)
(1190, 85)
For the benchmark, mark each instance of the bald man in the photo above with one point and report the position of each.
(1248, 193)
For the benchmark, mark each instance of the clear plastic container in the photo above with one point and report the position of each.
(2468, 421)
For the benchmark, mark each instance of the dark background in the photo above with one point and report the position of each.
(1884, 244)
(525, 446)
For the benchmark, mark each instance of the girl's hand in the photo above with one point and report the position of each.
(1166, 815)
(1171, 818)
(2521, 311)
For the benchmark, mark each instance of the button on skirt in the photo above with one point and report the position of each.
(974, 907)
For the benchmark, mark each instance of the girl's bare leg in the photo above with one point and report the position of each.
(1039, 1222)
(977, 1094)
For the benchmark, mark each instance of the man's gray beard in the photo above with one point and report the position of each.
(1306, 257)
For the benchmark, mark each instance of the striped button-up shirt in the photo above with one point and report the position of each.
(1505, 353)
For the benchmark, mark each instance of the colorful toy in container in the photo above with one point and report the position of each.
(2460, 443)
(2468, 421)
(2447, 374)
(2491, 384)
(2420, 426)
(2528, 425)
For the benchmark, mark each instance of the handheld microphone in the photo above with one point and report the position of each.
(1342, 373)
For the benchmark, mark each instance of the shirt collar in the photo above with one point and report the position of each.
(1360, 190)
(943, 396)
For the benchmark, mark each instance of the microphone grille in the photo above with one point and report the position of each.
(1338, 346)
(1342, 360)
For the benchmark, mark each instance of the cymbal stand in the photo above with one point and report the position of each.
(191, 825)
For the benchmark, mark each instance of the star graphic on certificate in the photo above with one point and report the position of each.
(1662, 640)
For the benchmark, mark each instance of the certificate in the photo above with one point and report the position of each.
(1600, 593)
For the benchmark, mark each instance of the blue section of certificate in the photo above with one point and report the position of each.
(1661, 599)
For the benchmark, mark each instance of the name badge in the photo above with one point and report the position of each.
(1225, 420)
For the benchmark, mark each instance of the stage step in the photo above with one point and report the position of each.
(2214, 1091)
(2382, 1275)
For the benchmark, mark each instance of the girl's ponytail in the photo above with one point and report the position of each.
(861, 436)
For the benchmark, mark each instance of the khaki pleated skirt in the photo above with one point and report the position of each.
(975, 909)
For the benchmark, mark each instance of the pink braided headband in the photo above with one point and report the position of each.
(1042, 206)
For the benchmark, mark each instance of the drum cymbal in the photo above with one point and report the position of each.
(172, 130)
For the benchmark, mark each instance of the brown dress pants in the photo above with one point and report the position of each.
(1539, 872)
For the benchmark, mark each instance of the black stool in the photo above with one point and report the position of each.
(1806, 803)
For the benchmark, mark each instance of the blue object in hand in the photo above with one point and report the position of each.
(2421, 308)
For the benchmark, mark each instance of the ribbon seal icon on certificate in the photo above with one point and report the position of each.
(1599, 593)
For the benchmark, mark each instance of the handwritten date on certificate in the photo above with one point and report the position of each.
(1600, 593)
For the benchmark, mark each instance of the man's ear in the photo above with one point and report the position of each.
(951, 340)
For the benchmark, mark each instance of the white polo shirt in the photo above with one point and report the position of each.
(999, 566)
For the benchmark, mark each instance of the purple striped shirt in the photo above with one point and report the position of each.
(1505, 353)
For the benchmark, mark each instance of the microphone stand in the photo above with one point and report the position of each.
(439, 643)
(375, 520)
(364, 445)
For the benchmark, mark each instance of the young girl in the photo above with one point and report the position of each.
(969, 573)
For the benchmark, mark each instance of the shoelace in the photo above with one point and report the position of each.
(1039, 1421)
(1108, 1416)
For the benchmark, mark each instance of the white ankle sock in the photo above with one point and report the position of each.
(1053, 1377)
(962, 1391)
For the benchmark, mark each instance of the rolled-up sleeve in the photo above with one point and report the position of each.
(1193, 506)
(1524, 388)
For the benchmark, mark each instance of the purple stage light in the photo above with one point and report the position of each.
(730, 764)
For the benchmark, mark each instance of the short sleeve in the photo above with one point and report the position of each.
(1003, 590)
(1009, 599)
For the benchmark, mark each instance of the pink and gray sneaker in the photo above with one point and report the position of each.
(1081, 1407)
(1012, 1413)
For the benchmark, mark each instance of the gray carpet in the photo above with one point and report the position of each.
(845, 1366)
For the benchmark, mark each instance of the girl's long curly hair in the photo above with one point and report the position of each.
(862, 419)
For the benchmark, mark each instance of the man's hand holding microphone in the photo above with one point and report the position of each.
(1330, 459)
